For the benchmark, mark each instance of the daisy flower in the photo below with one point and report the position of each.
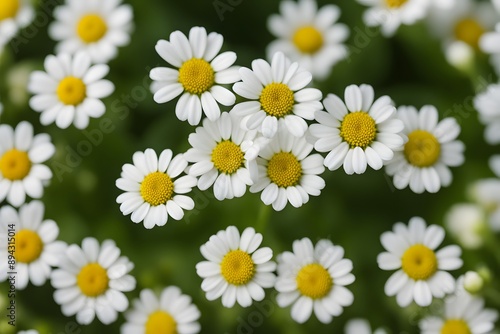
(90, 280)
(220, 153)
(70, 90)
(486, 104)
(309, 36)
(173, 312)
(460, 27)
(95, 27)
(314, 278)
(286, 171)
(391, 14)
(21, 158)
(422, 271)
(34, 244)
(199, 76)
(358, 133)
(153, 188)
(462, 314)
(14, 15)
(276, 91)
(235, 268)
(431, 148)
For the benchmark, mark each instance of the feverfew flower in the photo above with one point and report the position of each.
(220, 153)
(91, 280)
(276, 92)
(171, 312)
(422, 271)
(462, 314)
(286, 171)
(70, 90)
(236, 268)
(199, 76)
(33, 245)
(428, 153)
(21, 158)
(390, 14)
(14, 15)
(314, 278)
(460, 27)
(95, 27)
(467, 223)
(357, 133)
(153, 188)
(486, 104)
(309, 36)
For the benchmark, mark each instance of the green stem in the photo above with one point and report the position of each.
(263, 218)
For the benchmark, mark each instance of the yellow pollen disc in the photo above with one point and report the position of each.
(15, 165)
(308, 39)
(314, 281)
(29, 246)
(8, 9)
(455, 326)
(422, 149)
(227, 157)
(92, 280)
(419, 262)
(358, 129)
(237, 267)
(161, 322)
(395, 3)
(157, 188)
(277, 99)
(469, 31)
(91, 28)
(196, 76)
(71, 91)
(284, 169)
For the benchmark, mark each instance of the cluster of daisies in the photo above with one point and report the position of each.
(263, 127)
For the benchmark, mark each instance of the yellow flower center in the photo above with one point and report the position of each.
(358, 129)
(455, 326)
(422, 149)
(161, 322)
(196, 76)
(237, 267)
(469, 30)
(29, 246)
(308, 39)
(157, 188)
(91, 28)
(314, 281)
(277, 99)
(419, 262)
(92, 280)
(71, 91)
(227, 157)
(15, 165)
(8, 9)
(395, 3)
(284, 169)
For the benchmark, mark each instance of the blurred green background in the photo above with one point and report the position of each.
(352, 211)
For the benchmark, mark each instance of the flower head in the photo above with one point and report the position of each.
(170, 313)
(90, 280)
(154, 188)
(314, 278)
(21, 158)
(35, 248)
(236, 268)
(70, 90)
(14, 15)
(422, 271)
(199, 75)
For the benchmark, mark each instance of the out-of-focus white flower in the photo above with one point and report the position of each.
(473, 282)
(467, 222)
